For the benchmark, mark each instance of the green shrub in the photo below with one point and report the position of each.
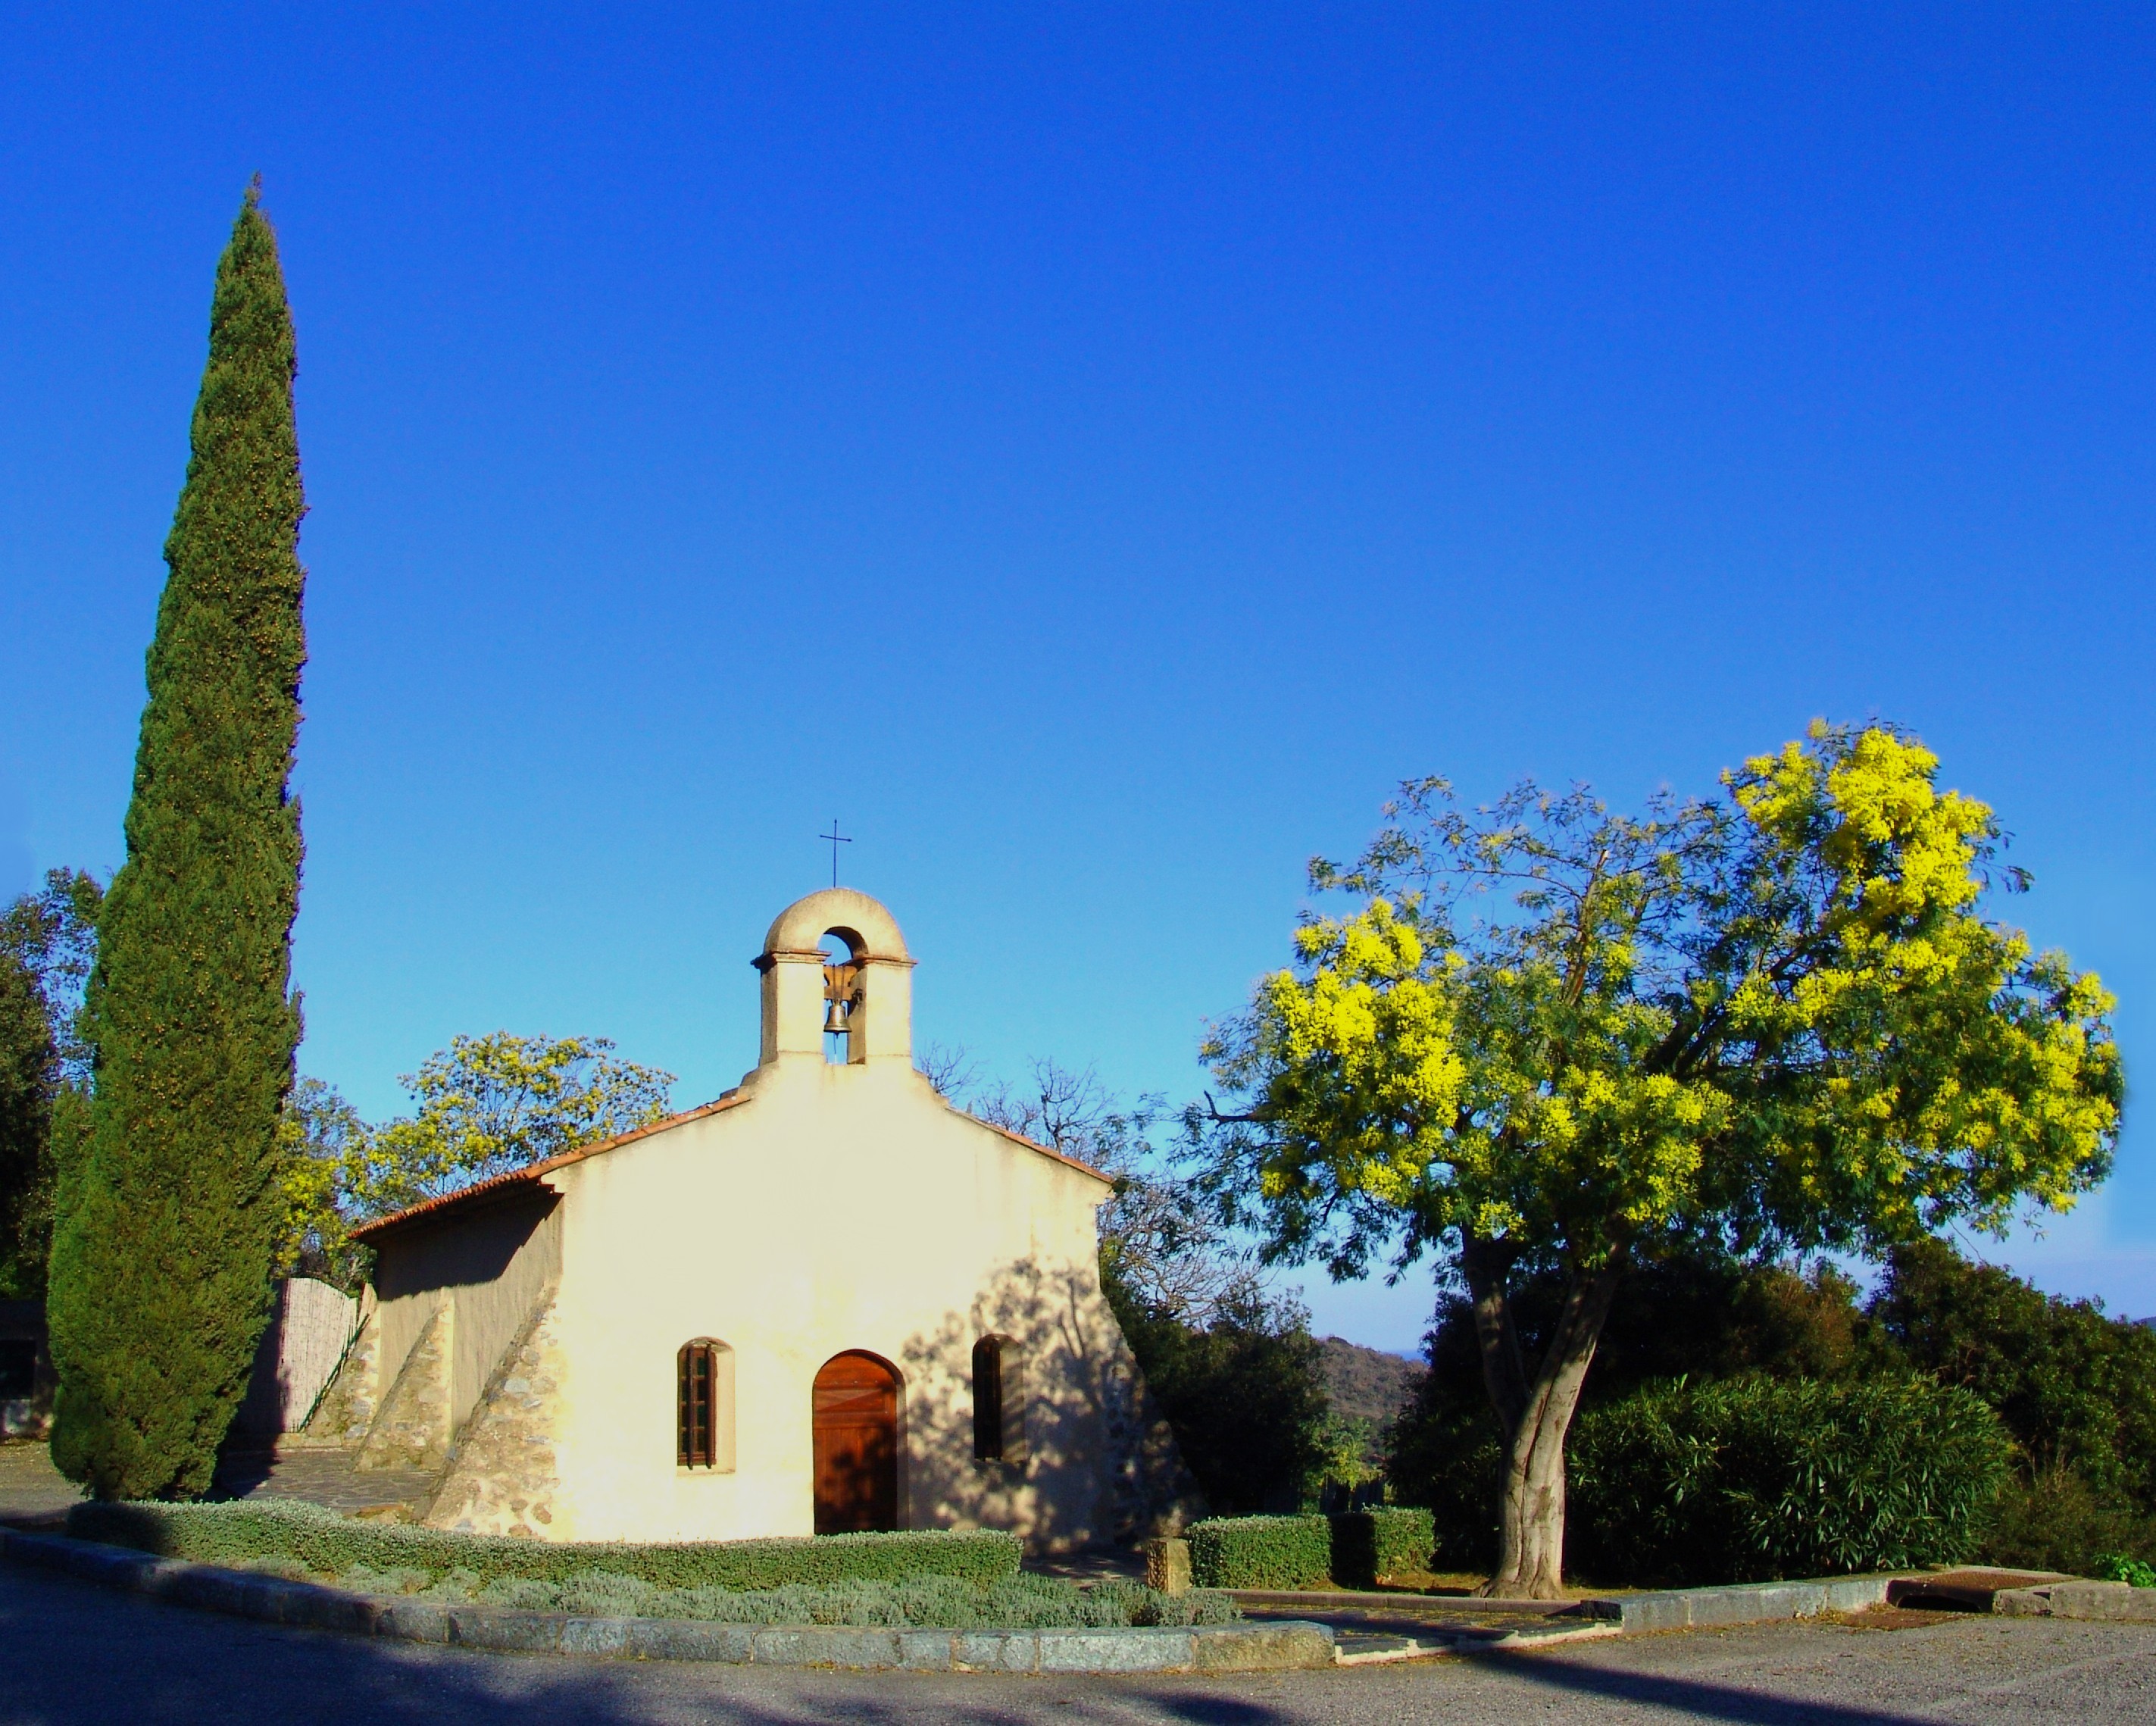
(1245, 1397)
(2117, 1567)
(1368, 1545)
(1262, 1552)
(332, 1545)
(2056, 1521)
(1750, 1479)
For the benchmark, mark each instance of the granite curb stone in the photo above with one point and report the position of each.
(2114, 1601)
(1739, 1603)
(1212, 1648)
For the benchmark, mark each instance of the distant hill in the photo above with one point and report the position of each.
(1365, 1384)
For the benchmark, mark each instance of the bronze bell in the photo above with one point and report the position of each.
(834, 1019)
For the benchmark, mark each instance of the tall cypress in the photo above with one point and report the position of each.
(160, 1280)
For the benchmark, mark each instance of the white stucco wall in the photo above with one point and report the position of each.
(837, 1208)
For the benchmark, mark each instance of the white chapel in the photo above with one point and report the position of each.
(828, 1301)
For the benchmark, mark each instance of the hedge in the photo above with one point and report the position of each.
(329, 1544)
(1370, 1545)
(1262, 1552)
(1353, 1550)
(1752, 1479)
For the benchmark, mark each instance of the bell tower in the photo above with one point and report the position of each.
(866, 997)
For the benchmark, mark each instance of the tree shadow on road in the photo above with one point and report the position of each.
(73, 1654)
(1654, 1693)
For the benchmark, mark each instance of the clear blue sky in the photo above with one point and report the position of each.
(1094, 453)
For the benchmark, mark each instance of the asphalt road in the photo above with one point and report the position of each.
(70, 1651)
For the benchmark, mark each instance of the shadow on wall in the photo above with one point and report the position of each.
(1087, 1458)
(300, 1352)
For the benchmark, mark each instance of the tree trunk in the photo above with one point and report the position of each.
(1535, 1415)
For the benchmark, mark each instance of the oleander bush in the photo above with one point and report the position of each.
(1752, 1479)
(1370, 1545)
(324, 1544)
(1262, 1552)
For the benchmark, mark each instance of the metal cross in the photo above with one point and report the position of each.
(834, 838)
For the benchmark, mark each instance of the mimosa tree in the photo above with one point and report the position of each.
(1552, 1038)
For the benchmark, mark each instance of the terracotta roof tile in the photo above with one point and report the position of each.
(532, 1172)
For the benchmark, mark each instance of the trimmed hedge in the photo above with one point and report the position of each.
(1260, 1551)
(1351, 1550)
(330, 1544)
(1370, 1545)
(1750, 1480)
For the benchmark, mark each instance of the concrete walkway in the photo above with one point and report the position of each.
(30, 1484)
(318, 1474)
(72, 1654)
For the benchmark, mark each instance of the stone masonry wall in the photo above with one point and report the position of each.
(347, 1409)
(502, 1475)
(412, 1430)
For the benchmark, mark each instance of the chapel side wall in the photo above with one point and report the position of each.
(488, 1268)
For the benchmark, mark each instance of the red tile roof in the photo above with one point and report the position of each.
(530, 1174)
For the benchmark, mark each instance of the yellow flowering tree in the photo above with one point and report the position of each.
(486, 1105)
(1554, 1038)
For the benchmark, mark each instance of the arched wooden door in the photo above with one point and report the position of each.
(856, 1445)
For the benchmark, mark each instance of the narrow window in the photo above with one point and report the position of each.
(989, 1398)
(704, 1379)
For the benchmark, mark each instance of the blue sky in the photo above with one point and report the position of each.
(1094, 453)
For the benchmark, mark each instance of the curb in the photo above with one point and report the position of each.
(1274, 1646)
(2112, 1601)
(1738, 1603)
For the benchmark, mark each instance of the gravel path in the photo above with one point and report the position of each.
(70, 1652)
(30, 1484)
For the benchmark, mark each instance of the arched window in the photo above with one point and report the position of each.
(703, 1381)
(998, 1401)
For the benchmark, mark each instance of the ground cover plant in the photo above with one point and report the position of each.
(321, 1543)
(1016, 1602)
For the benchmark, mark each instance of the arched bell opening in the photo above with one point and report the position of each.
(843, 995)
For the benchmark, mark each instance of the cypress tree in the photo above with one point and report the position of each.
(170, 1207)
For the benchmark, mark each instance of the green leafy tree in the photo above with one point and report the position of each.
(1555, 1040)
(2076, 1388)
(47, 940)
(1232, 1366)
(168, 1230)
(324, 1141)
(488, 1105)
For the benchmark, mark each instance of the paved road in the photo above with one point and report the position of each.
(72, 1652)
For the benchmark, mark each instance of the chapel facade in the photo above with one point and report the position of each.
(828, 1301)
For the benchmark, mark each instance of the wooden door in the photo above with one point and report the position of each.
(856, 1445)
